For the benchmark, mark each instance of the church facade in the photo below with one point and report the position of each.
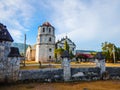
(43, 50)
(60, 44)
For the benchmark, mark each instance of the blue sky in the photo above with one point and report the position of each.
(86, 22)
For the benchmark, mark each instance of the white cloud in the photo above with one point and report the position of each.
(95, 21)
(16, 14)
(84, 21)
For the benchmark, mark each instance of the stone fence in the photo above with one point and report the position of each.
(52, 74)
(47, 74)
(113, 71)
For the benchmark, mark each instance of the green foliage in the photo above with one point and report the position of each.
(58, 52)
(71, 55)
(66, 46)
(110, 51)
(117, 53)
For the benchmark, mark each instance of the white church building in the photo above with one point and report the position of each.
(43, 50)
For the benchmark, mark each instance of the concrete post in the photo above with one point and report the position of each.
(101, 65)
(100, 62)
(66, 66)
(66, 69)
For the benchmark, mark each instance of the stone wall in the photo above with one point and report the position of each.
(9, 70)
(42, 74)
(113, 71)
(4, 50)
(76, 70)
(9, 66)
(52, 74)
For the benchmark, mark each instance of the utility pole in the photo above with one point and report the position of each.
(114, 53)
(24, 48)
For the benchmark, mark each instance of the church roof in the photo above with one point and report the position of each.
(4, 34)
(46, 24)
(63, 39)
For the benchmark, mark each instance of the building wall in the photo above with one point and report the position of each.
(33, 54)
(28, 53)
(46, 53)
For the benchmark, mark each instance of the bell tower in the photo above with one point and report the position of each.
(45, 43)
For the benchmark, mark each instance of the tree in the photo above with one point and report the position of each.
(66, 46)
(71, 55)
(108, 51)
(58, 52)
(117, 53)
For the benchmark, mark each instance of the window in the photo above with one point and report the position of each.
(49, 57)
(49, 30)
(50, 39)
(50, 49)
(43, 29)
(73, 49)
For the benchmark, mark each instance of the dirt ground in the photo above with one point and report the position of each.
(91, 85)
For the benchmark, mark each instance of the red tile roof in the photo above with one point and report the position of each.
(46, 24)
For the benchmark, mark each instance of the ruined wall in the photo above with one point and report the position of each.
(42, 74)
(9, 67)
(4, 51)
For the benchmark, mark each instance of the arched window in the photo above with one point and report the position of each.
(49, 57)
(50, 49)
(50, 39)
(43, 29)
(49, 30)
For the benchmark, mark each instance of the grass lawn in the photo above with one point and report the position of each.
(33, 65)
(93, 85)
(38, 67)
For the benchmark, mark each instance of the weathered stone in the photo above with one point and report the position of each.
(9, 67)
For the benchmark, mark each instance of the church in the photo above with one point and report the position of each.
(43, 50)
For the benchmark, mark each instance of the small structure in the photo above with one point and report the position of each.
(100, 62)
(66, 66)
(9, 57)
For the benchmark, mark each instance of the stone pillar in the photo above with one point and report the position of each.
(13, 65)
(66, 66)
(100, 62)
(101, 65)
